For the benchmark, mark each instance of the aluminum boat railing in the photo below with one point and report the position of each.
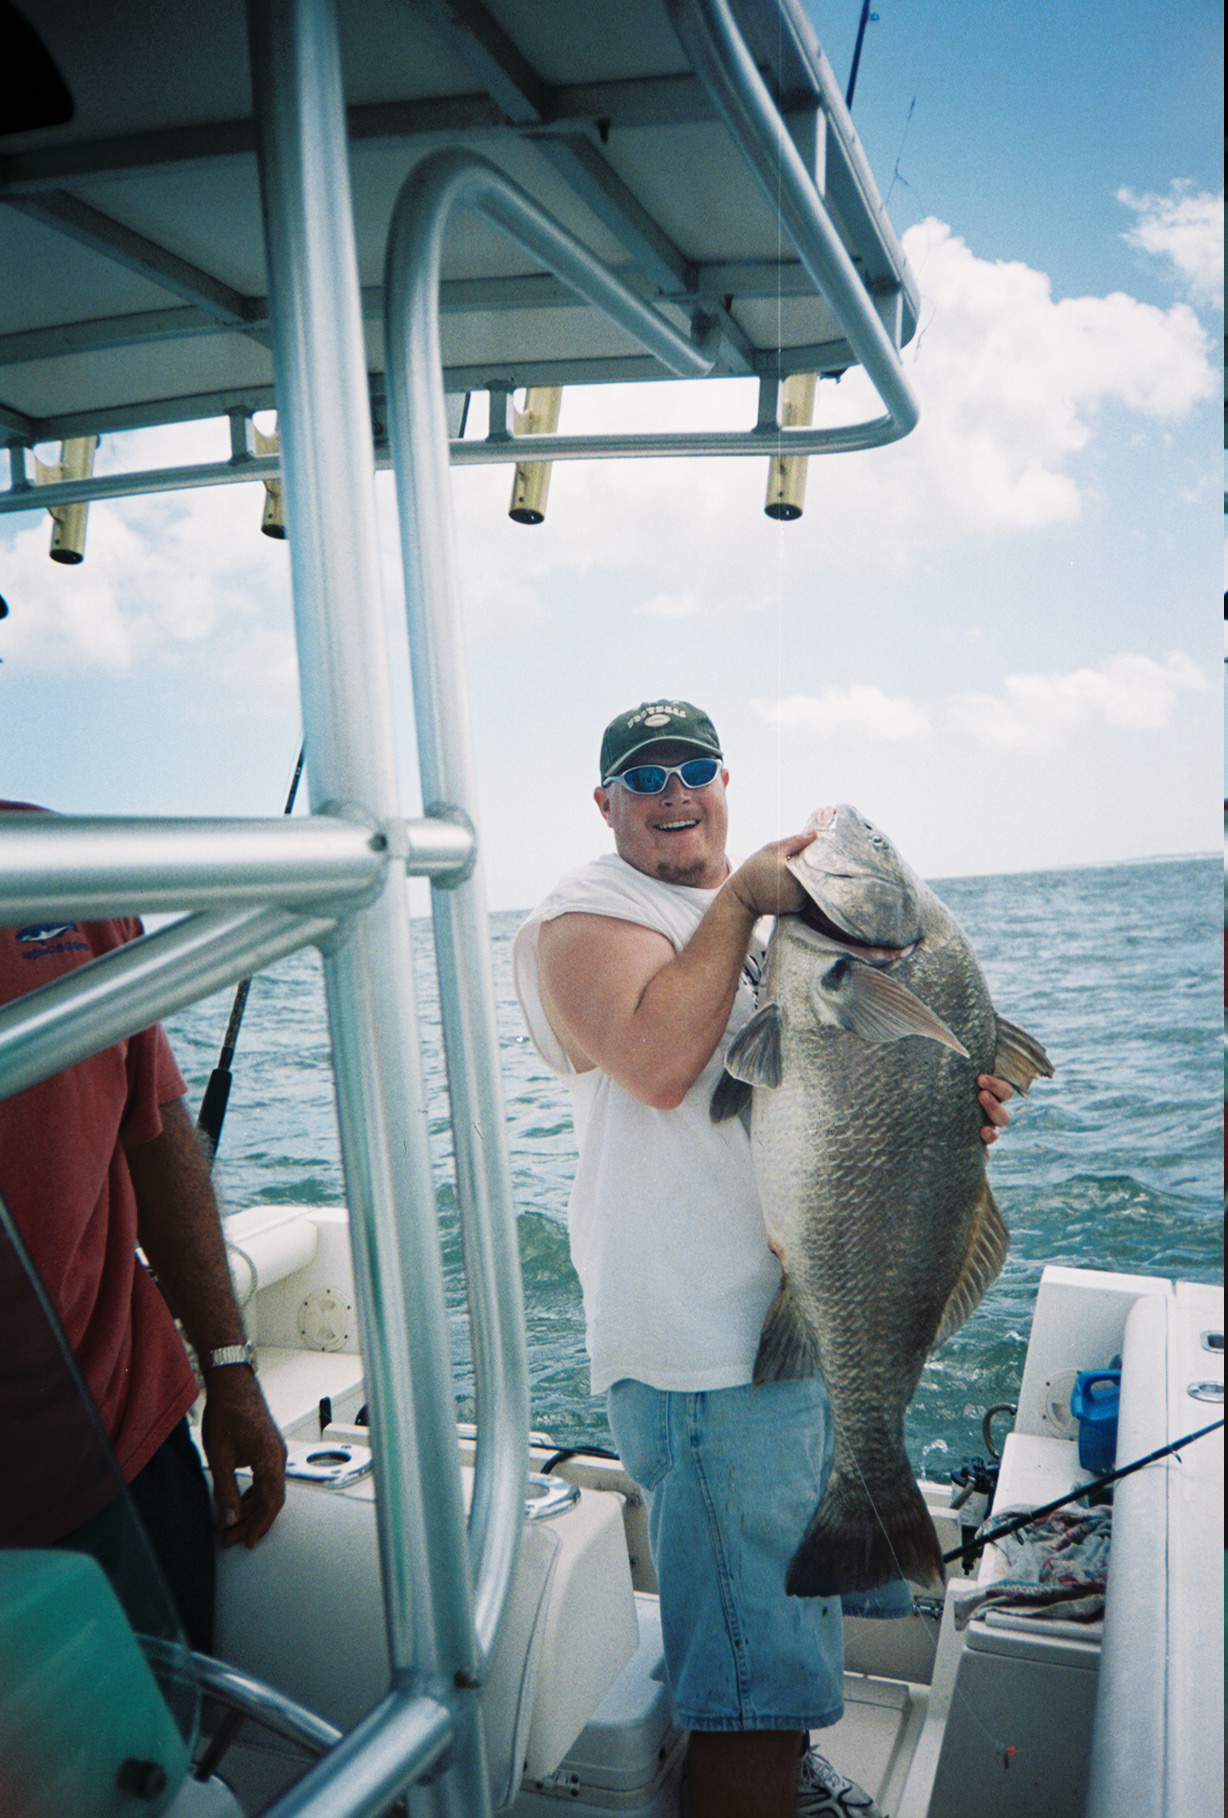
(259, 890)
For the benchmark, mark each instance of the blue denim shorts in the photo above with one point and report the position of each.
(732, 1478)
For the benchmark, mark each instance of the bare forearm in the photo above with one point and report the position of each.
(684, 1008)
(181, 1233)
(621, 999)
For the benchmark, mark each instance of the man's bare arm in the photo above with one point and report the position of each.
(181, 1234)
(621, 999)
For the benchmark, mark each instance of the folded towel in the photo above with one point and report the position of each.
(1056, 1569)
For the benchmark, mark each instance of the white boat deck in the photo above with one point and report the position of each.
(935, 1714)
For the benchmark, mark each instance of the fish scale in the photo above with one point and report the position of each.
(865, 1133)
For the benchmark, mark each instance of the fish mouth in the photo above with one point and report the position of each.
(816, 918)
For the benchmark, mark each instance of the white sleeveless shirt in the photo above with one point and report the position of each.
(666, 1230)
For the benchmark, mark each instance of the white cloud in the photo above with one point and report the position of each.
(1013, 385)
(1033, 713)
(857, 710)
(671, 606)
(168, 445)
(167, 579)
(1185, 229)
(1012, 381)
(1039, 713)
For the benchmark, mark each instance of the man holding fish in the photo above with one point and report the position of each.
(636, 975)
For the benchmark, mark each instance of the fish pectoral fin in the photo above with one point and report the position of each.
(988, 1242)
(753, 1060)
(1020, 1058)
(877, 1007)
(754, 1052)
(730, 1098)
(788, 1350)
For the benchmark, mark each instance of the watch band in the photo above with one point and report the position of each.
(231, 1354)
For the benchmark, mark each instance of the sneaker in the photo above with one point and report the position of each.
(822, 1792)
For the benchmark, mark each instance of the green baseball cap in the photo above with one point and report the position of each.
(653, 723)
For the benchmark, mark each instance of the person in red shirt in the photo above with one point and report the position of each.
(94, 1161)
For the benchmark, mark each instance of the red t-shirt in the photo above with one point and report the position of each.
(65, 1181)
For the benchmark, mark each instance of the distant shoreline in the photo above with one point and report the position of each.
(1155, 858)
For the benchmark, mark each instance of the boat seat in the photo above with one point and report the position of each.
(304, 1611)
(265, 1244)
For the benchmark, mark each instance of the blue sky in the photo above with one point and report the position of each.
(1000, 638)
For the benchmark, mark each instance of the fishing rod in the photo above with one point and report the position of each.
(217, 1092)
(968, 1553)
(866, 17)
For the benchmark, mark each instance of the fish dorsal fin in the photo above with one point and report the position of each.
(1020, 1058)
(877, 1007)
(988, 1242)
(788, 1350)
(754, 1052)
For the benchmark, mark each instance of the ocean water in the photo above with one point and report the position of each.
(1116, 1163)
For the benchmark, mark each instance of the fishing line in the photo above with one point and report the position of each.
(1001, 1748)
(900, 1573)
(1004, 1750)
(780, 522)
(896, 175)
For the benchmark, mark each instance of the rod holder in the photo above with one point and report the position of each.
(273, 523)
(786, 487)
(531, 481)
(68, 522)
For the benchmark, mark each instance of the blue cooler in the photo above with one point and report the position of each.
(1094, 1402)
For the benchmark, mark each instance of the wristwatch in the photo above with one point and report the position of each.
(232, 1354)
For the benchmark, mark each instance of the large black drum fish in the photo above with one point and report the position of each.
(861, 1064)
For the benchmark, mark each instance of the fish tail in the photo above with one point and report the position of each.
(854, 1543)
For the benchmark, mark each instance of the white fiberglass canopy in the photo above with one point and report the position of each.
(135, 286)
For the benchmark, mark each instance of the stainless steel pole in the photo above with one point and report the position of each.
(845, 438)
(419, 438)
(84, 868)
(328, 466)
(418, 433)
(738, 92)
